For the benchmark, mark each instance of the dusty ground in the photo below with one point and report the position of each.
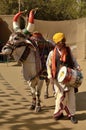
(15, 99)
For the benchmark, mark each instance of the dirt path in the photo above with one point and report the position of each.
(15, 99)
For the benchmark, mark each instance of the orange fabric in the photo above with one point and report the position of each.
(53, 63)
(62, 58)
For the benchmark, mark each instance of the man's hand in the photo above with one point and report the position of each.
(78, 68)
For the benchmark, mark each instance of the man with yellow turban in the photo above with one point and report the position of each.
(65, 96)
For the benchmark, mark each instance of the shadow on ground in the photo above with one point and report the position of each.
(81, 101)
(81, 105)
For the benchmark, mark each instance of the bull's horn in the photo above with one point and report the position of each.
(15, 20)
(30, 26)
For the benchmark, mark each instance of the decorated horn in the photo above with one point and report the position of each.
(15, 20)
(30, 26)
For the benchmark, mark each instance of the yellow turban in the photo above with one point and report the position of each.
(57, 37)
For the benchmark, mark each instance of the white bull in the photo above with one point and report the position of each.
(28, 30)
(24, 51)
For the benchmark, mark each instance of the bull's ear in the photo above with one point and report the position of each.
(30, 44)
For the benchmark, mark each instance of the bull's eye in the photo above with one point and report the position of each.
(5, 47)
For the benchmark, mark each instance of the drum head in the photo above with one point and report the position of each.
(62, 74)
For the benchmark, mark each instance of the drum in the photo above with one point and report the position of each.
(70, 77)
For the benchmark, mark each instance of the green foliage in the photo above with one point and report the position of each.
(48, 9)
(82, 9)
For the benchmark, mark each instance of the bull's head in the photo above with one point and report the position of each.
(16, 40)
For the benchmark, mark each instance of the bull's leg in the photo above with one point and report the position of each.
(38, 104)
(32, 85)
(38, 93)
(33, 104)
(46, 94)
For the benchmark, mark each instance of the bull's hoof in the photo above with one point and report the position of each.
(32, 107)
(45, 96)
(37, 108)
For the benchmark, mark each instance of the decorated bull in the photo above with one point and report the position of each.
(34, 36)
(32, 53)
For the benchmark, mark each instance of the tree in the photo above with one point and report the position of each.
(48, 9)
(82, 8)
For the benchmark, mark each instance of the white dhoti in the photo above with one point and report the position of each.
(64, 100)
